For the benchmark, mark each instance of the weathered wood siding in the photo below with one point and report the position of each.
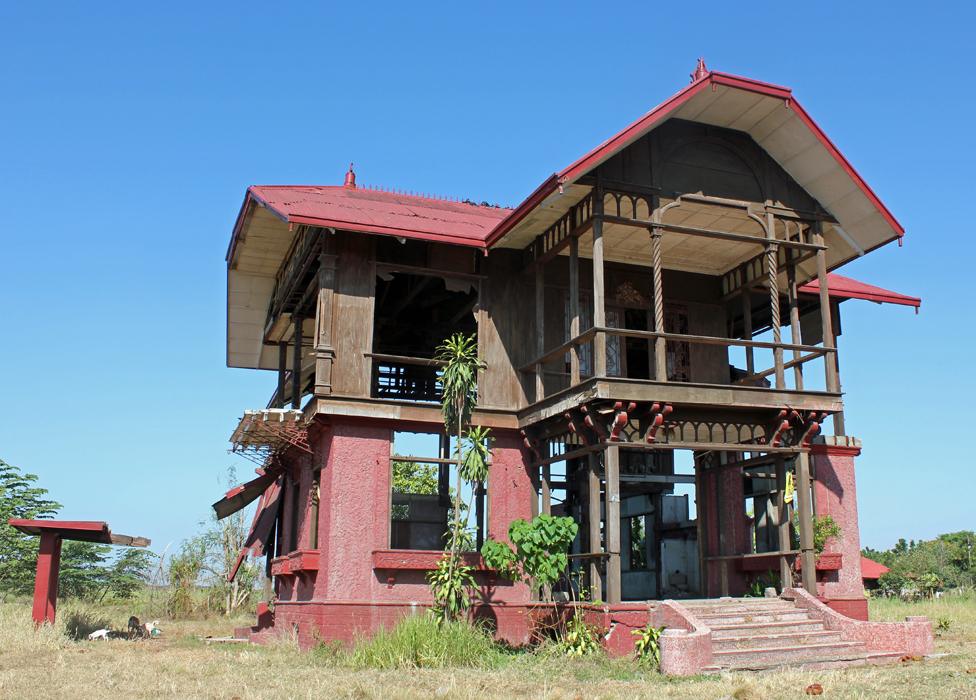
(506, 329)
(353, 314)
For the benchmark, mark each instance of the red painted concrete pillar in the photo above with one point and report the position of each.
(836, 496)
(46, 580)
(510, 488)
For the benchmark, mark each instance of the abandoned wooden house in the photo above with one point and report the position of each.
(659, 324)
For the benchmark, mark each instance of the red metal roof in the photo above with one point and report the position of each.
(623, 138)
(379, 211)
(84, 530)
(841, 287)
(872, 569)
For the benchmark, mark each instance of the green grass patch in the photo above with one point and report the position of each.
(419, 641)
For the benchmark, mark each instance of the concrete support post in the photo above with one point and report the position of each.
(46, 579)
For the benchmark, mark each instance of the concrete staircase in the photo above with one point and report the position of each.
(765, 633)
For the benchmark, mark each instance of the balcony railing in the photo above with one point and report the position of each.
(405, 378)
(802, 353)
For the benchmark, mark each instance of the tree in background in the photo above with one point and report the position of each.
(206, 561)
(88, 570)
(927, 566)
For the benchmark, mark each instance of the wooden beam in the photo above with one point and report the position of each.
(660, 344)
(783, 523)
(827, 328)
(772, 280)
(795, 333)
(599, 308)
(546, 489)
(324, 350)
(720, 520)
(747, 329)
(839, 427)
(540, 328)
(708, 233)
(282, 373)
(574, 310)
(805, 515)
(593, 516)
(612, 479)
(700, 531)
(296, 368)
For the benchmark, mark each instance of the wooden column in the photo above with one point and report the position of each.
(479, 516)
(723, 569)
(46, 578)
(282, 374)
(546, 490)
(612, 508)
(595, 544)
(574, 310)
(313, 510)
(324, 350)
(783, 524)
(796, 337)
(700, 530)
(296, 364)
(772, 280)
(660, 345)
(747, 328)
(830, 359)
(540, 328)
(599, 308)
(805, 516)
(839, 427)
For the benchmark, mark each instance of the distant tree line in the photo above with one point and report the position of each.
(926, 567)
(194, 578)
(88, 570)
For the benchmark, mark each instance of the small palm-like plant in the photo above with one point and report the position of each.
(452, 580)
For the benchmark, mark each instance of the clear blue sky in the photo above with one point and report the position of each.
(129, 133)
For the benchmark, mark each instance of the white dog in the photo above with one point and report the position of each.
(98, 634)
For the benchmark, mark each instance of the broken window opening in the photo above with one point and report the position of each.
(414, 313)
(423, 482)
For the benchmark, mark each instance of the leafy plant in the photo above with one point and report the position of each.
(538, 551)
(450, 583)
(578, 638)
(647, 646)
(943, 624)
(758, 586)
(824, 527)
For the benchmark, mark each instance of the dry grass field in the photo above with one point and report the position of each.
(49, 664)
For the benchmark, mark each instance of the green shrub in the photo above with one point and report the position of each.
(419, 641)
(647, 646)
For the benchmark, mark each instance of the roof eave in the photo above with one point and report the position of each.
(638, 128)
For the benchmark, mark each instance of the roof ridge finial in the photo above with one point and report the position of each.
(350, 182)
(700, 70)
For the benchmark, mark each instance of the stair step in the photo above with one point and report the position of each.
(759, 628)
(742, 618)
(768, 641)
(768, 657)
(739, 608)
